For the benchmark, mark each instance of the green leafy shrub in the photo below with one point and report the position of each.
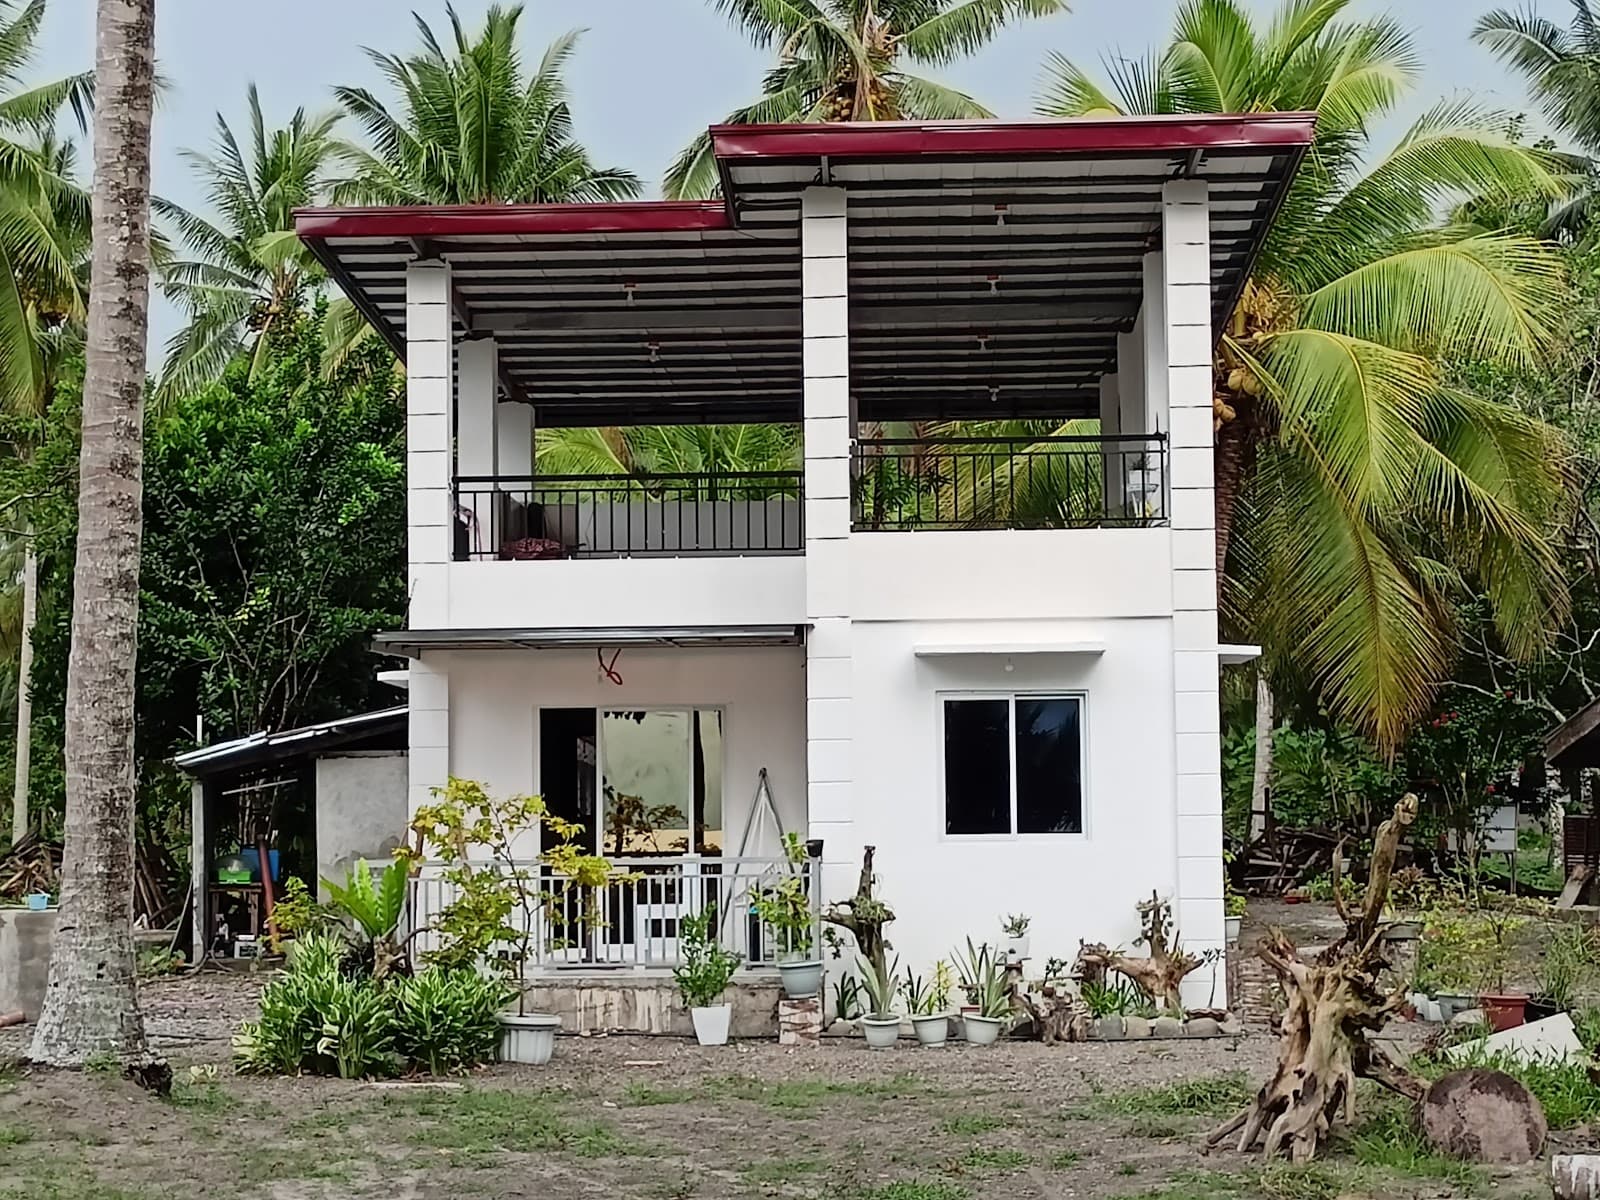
(372, 907)
(1115, 997)
(297, 913)
(708, 966)
(357, 1028)
(448, 1020)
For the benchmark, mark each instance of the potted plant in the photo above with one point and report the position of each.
(880, 1024)
(707, 970)
(929, 1004)
(501, 902)
(992, 997)
(1503, 1009)
(1015, 927)
(785, 907)
(970, 968)
(1567, 969)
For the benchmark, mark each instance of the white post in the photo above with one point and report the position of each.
(1111, 451)
(516, 464)
(1186, 334)
(430, 387)
(829, 428)
(478, 441)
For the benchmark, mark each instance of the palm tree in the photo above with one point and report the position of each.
(244, 270)
(1357, 486)
(845, 60)
(1562, 67)
(471, 129)
(668, 449)
(91, 1004)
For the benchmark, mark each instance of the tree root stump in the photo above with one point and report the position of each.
(1333, 1002)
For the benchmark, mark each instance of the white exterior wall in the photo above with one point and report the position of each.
(943, 888)
(495, 698)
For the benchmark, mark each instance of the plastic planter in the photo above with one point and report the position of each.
(932, 1029)
(528, 1038)
(801, 977)
(711, 1024)
(881, 1032)
(983, 1031)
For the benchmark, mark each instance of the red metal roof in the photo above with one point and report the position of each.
(992, 266)
(422, 221)
(992, 139)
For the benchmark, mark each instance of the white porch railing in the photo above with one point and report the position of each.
(635, 921)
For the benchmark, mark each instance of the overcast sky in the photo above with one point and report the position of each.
(649, 73)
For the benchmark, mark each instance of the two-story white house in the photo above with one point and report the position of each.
(994, 658)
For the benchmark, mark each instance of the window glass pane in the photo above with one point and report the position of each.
(1049, 767)
(977, 766)
(646, 777)
(709, 838)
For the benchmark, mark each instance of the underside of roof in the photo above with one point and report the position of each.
(991, 267)
(413, 643)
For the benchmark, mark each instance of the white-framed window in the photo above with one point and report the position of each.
(1013, 763)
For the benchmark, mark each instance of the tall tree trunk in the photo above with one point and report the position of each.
(1261, 780)
(91, 1004)
(30, 615)
(1235, 457)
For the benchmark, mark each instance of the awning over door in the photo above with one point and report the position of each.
(413, 643)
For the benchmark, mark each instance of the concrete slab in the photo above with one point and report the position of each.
(1552, 1040)
(25, 941)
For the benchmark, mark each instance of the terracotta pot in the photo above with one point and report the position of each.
(1504, 1012)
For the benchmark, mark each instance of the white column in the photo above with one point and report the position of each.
(1111, 451)
(829, 428)
(430, 388)
(1153, 323)
(1186, 306)
(516, 443)
(477, 439)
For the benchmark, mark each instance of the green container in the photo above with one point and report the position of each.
(235, 876)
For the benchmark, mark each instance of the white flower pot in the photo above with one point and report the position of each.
(529, 1038)
(932, 1030)
(711, 1024)
(881, 1032)
(1231, 924)
(1017, 947)
(983, 1031)
(801, 977)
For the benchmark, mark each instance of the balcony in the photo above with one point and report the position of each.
(627, 516)
(957, 483)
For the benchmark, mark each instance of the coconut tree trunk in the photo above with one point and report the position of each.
(30, 614)
(1235, 456)
(1261, 780)
(91, 1004)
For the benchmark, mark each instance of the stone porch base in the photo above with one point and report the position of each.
(639, 1002)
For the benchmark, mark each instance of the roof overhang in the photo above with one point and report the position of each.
(992, 265)
(262, 748)
(413, 643)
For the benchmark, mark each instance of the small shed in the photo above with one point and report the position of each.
(1573, 749)
(303, 803)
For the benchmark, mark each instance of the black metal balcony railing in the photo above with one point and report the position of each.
(619, 516)
(1010, 483)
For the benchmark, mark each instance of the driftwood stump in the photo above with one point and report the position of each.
(1160, 974)
(1334, 1001)
(864, 916)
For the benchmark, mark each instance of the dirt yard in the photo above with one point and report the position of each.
(658, 1118)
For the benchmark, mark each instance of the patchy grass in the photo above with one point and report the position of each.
(209, 1097)
(794, 1095)
(985, 1158)
(968, 1124)
(479, 1123)
(913, 1190)
(642, 1095)
(1157, 1128)
(1065, 1160)
(781, 1170)
(1210, 1095)
(15, 1135)
(1389, 1140)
